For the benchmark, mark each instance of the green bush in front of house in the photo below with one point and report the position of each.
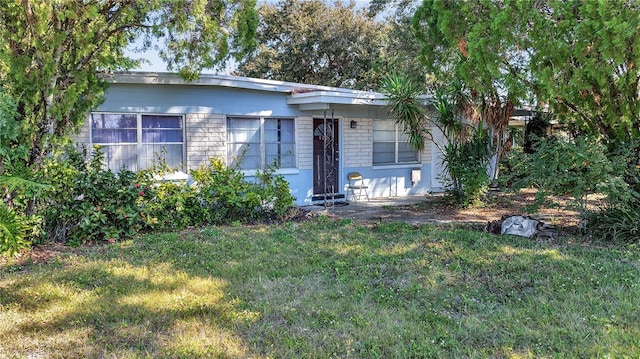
(218, 194)
(88, 203)
(173, 204)
(227, 197)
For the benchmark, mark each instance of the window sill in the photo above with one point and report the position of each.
(399, 165)
(281, 171)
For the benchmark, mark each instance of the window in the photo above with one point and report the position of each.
(391, 144)
(135, 140)
(254, 142)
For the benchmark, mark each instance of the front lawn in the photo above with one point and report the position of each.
(325, 289)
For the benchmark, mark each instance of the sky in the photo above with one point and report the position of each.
(156, 65)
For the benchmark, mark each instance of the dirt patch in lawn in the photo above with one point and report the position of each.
(431, 209)
(438, 209)
(498, 205)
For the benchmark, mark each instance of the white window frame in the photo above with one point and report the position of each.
(396, 141)
(262, 145)
(139, 140)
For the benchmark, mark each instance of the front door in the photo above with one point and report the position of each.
(325, 157)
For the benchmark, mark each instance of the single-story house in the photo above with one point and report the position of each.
(315, 134)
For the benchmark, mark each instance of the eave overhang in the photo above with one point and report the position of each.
(322, 100)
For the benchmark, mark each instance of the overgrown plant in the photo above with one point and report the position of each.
(19, 227)
(466, 150)
(536, 130)
(276, 196)
(170, 204)
(576, 167)
(89, 203)
(620, 223)
(228, 197)
(85, 202)
(619, 218)
(13, 231)
(579, 168)
(18, 185)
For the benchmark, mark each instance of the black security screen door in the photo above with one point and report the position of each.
(325, 156)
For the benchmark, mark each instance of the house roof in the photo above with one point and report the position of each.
(307, 97)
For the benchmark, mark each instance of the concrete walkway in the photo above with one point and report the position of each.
(384, 209)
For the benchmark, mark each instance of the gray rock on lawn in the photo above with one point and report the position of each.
(521, 226)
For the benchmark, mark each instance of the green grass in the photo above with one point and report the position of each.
(325, 289)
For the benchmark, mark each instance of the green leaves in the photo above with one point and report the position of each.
(405, 107)
(579, 57)
(317, 42)
(52, 53)
(577, 168)
(13, 231)
(9, 129)
(465, 148)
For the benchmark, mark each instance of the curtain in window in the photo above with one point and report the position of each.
(253, 143)
(118, 134)
(111, 128)
(391, 144)
(118, 157)
(161, 140)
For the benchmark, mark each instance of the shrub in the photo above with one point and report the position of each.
(559, 166)
(466, 163)
(620, 223)
(619, 219)
(170, 204)
(275, 193)
(536, 130)
(581, 167)
(89, 203)
(467, 152)
(228, 197)
(513, 168)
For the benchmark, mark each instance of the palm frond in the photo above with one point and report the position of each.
(405, 107)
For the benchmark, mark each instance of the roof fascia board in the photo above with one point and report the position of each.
(328, 97)
(166, 78)
(314, 106)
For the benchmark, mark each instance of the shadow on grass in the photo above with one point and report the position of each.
(96, 308)
(329, 289)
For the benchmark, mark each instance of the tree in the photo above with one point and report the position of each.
(578, 57)
(465, 147)
(14, 227)
(402, 48)
(55, 54)
(312, 41)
